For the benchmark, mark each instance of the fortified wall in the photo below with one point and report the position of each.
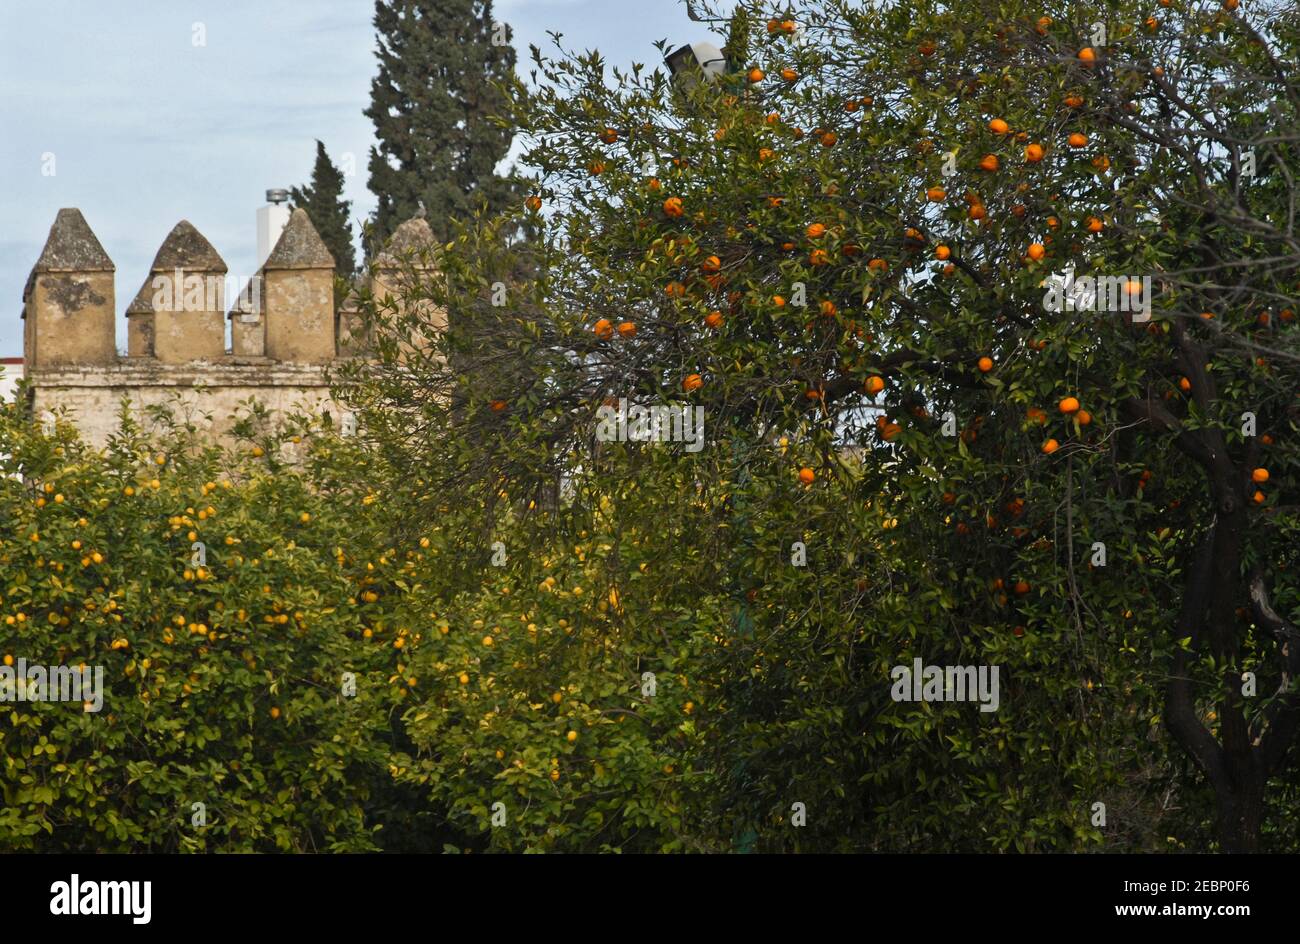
(285, 329)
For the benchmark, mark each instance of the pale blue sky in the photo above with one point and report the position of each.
(146, 128)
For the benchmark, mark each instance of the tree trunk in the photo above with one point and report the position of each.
(1241, 811)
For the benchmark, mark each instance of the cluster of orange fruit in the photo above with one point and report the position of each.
(1069, 406)
(604, 329)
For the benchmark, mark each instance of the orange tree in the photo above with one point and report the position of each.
(839, 251)
(226, 598)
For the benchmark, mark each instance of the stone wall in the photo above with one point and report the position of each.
(285, 329)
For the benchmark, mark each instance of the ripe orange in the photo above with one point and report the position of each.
(496, 406)
(1022, 587)
(828, 139)
(789, 74)
(604, 329)
(828, 309)
(1259, 476)
(1087, 56)
(926, 48)
(875, 385)
(774, 26)
(756, 74)
(807, 475)
(627, 329)
(1185, 385)
(711, 264)
(1078, 140)
(1036, 251)
(675, 290)
(1069, 405)
(985, 364)
(815, 230)
(1259, 497)
(1084, 417)
(714, 319)
(942, 252)
(936, 194)
(1229, 5)
(673, 207)
(878, 265)
(533, 203)
(1043, 23)
(1073, 101)
(1051, 446)
(692, 382)
(818, 257)
(989, 162)
(1033, 153)
(998, 126)
(275, 713)
(977, 211)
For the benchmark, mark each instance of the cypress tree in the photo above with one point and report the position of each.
(431, 103)
(329, 212)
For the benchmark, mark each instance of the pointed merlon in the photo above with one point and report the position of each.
(72, 247)
(299, 246)
(412, 236)
(142, 304)
(186, 248)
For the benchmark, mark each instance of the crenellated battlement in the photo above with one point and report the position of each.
(285, 329)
